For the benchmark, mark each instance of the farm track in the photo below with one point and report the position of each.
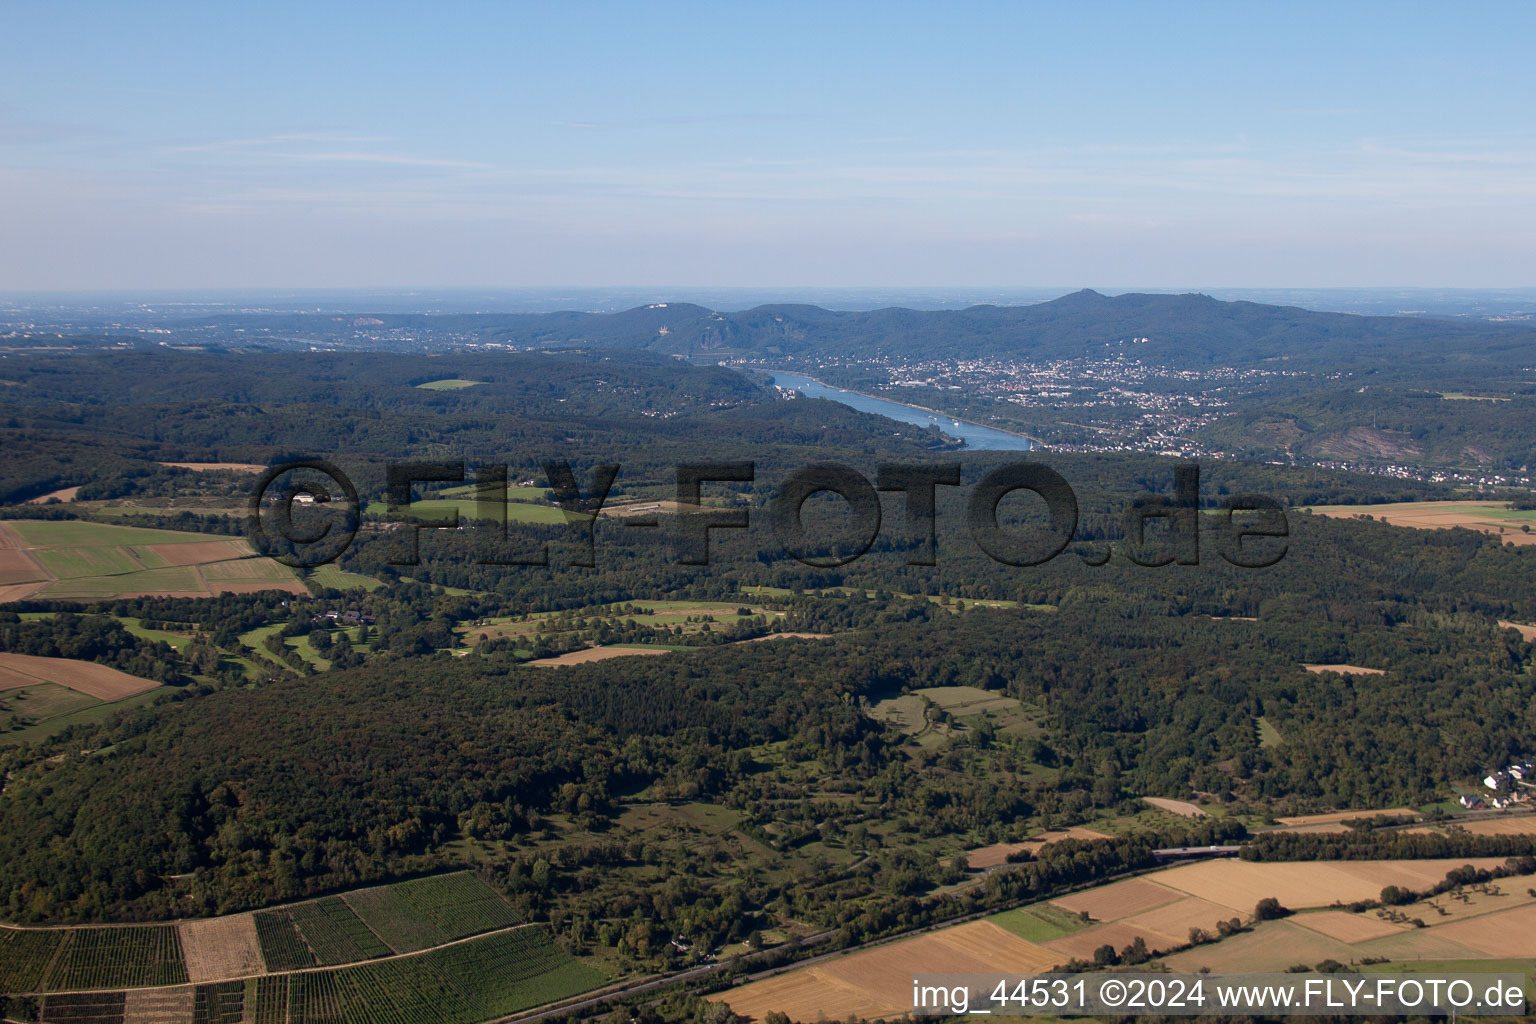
(7, 534)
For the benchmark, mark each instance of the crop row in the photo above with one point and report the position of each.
(460, 904)
(25, 956)
(335, 933)
(222, 1003)
(271, 997)
(427, 912)
(473, 981)
(282, 948)
(106, 958)
(92, 1008)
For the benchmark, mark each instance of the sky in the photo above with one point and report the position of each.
(1158, 145)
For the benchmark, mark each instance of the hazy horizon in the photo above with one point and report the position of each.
(180, 146)
(151, 304)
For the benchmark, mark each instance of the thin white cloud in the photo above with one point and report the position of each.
(401, 159)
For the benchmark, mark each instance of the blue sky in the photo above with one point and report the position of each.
(154, 145)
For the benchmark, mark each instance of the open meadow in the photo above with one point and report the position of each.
(40, 696)
(1513, 526)
(74, 559)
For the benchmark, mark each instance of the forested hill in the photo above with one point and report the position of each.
(1176, 330)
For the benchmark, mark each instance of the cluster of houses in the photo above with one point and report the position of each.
(1505, 787)
(350, 617)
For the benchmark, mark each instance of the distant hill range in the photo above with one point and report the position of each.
(1175, 330)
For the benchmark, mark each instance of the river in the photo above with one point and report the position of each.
(974, 435)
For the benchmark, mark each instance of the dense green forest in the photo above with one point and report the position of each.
(311, 744)
(106, 421)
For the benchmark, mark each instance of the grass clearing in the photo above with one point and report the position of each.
(448, 384)
(469, 508)
(329, 577)
(591, 654)
(34, 704)
(93, 715)
(78, 560)
(1040, 922)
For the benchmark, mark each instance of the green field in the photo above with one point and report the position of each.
(967, 707)
(24, 957)
(91, 714)
(138, 629)
(515, 492)
(74, 533)
(282, 948)
(43, 701)
(99, 561)
(336, 934)
(256, 640)
(332, 578)
(450, 384)
(468, 508)
(477, 980)
(127, 957)
(427, 912)
(1039, 923)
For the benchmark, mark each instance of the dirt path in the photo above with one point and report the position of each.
(15, 543)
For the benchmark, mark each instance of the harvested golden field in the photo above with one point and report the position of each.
(1173, 921)
(1162, 928)
(593, 654)
(1514, 825)
(160, 1005)
(206, 467)
(1504, 933)
(1346, 670)
(1183, 808)
(788, 636)
(1506, 894)
(16, 566)
(1334, 817)
(12, 680)
(1347, 927)
(1331, 826)
(1490, 517)
(19, 591)
(62, 494)
(85, 677)
(1417, 944)
(1241, 884)
(1273, 946)
(998, 853)
(1529, 632)
(1119, 899)
(1119, 934)
(221, 948)
(198, 552)
(878, 982)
